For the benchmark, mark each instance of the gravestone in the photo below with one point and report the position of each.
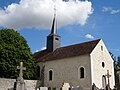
(20, 84)
(57, 88)
(43, 88)
(77, 88)
(66, 86)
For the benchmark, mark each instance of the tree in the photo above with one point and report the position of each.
(118, 61)
(13, 49)
(115, 68)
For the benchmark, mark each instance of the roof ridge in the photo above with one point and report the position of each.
(80, 43)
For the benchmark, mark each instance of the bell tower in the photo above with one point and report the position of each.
(53, 39)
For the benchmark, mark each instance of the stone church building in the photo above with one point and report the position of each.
(81, 64)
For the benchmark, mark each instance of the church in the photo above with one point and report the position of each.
(85, 64)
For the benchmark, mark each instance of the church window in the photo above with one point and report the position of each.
(103, 64)
(104, 81)
(50, 75)
(101, 48)
(82, 72)
(38, 71)
(56, 38)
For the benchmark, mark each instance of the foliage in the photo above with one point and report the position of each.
(116, 69)
(118, 61)
(13, 49)
(116, 66)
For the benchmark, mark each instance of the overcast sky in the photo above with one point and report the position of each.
(78, 21)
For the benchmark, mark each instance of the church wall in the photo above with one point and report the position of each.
(66, 71)
(39, 72)
(100, 54)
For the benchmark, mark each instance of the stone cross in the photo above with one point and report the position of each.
(108, 76)
(20, 84)
(21, 68)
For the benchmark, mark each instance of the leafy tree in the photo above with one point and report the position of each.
(115, 68)
(13, 49)
(118, 61)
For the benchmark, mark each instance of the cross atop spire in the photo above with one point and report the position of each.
(54, 10)
(54, 24)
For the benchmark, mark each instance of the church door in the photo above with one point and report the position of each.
(104, 81)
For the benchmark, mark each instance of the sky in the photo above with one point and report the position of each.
(77, 21)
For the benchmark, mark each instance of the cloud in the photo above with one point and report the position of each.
(110, 10)
(39, 13)
(115, 11)
(89, 36)
(118, 50)
(43, 48)
(106, 9)
(36, 51)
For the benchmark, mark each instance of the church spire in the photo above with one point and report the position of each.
(53, 40)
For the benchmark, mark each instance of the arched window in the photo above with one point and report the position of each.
(104, 81)
(82, 72)
(38, 71)
(101, 48)
(50, 75)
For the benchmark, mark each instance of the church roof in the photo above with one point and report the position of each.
(66, 52)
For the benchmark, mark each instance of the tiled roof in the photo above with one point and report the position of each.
(66, 52)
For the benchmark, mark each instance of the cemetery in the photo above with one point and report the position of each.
(21, 84)
(84, 66)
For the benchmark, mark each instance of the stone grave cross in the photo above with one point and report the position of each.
(108, 76)
(20, 84)
(21, 68)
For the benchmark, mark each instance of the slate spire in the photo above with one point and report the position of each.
(54, 24)
(53, 40)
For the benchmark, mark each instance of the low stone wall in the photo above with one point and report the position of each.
(9, 83)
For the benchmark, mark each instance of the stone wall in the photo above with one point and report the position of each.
(9, 83)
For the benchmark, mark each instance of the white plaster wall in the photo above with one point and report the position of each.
(66, 71)
(97, 57)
